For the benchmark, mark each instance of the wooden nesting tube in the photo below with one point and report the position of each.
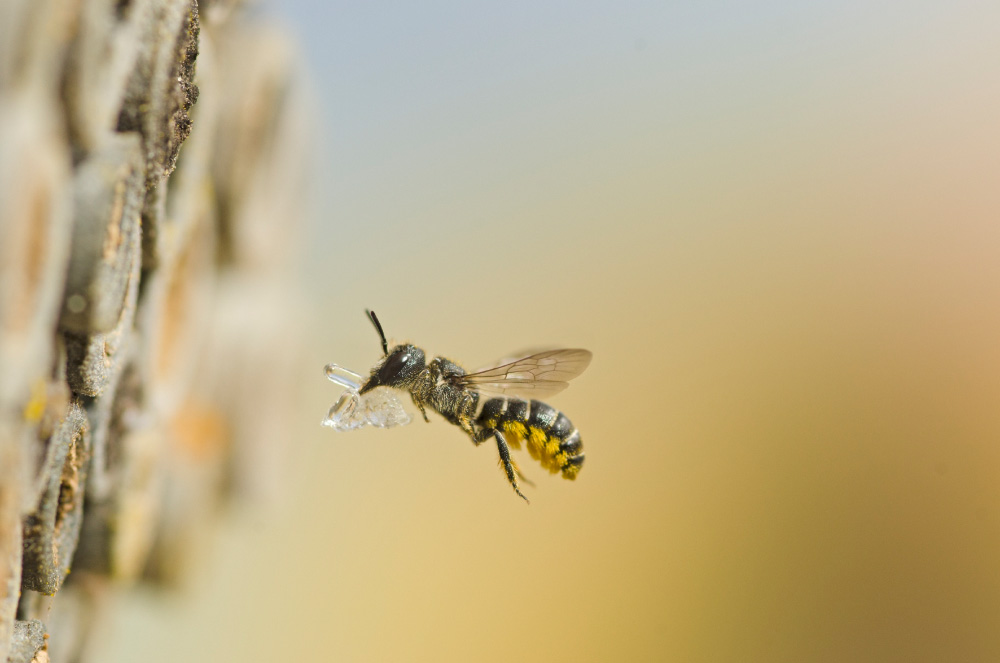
(95, 360)
(52, 529)
(99, 62)
(124, 484)
(27, 641)
(89, 370)
(161, 89)
(41, 417)
(10, 533)
(118, 532)
(248, 316)
(108, 199)
(174, 313)
(258, 151)
(195, 462)
(33, 39)
(74, 618)
(159, 94)
(108, 414)
(34, 243)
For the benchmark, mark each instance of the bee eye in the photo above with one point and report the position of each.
(402, 364)
(394, 365)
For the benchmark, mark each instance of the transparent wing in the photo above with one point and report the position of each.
(535, 376)
(514, 356)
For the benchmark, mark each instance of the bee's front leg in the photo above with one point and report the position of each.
(420, 404)
(466, 412)
(465, 423)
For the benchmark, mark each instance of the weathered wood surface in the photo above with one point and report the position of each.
(151, 175)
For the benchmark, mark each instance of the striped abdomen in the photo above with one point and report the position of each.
(548, 433)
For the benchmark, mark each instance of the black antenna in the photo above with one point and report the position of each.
(381, 334)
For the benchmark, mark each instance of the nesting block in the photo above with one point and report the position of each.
(161, 87)
(28, 643)
(99, 64)
(125, 485)
(10, 532)
(108, 199)
(123, 261)
(34, 242)
(52, 529)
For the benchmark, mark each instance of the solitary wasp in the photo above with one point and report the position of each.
(495, 403)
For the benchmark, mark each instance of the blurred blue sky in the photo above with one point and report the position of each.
(427, 105)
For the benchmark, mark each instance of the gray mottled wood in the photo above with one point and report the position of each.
(106, 247)
(36, 197)
(124, 206)
(10, 532)
(28, 639)
(52, 528)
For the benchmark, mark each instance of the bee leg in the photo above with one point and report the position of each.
(480, 436)
(466, 410)
(508, 466)
(466, 424)
(483, 434)
(423, 411)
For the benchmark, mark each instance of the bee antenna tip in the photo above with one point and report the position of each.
(378, 328)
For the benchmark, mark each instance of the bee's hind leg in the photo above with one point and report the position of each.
(508, 466)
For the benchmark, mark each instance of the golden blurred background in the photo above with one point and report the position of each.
(776, 228)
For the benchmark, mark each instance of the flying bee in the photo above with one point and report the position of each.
(496, 403)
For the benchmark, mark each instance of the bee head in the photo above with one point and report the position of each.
(399, 366)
